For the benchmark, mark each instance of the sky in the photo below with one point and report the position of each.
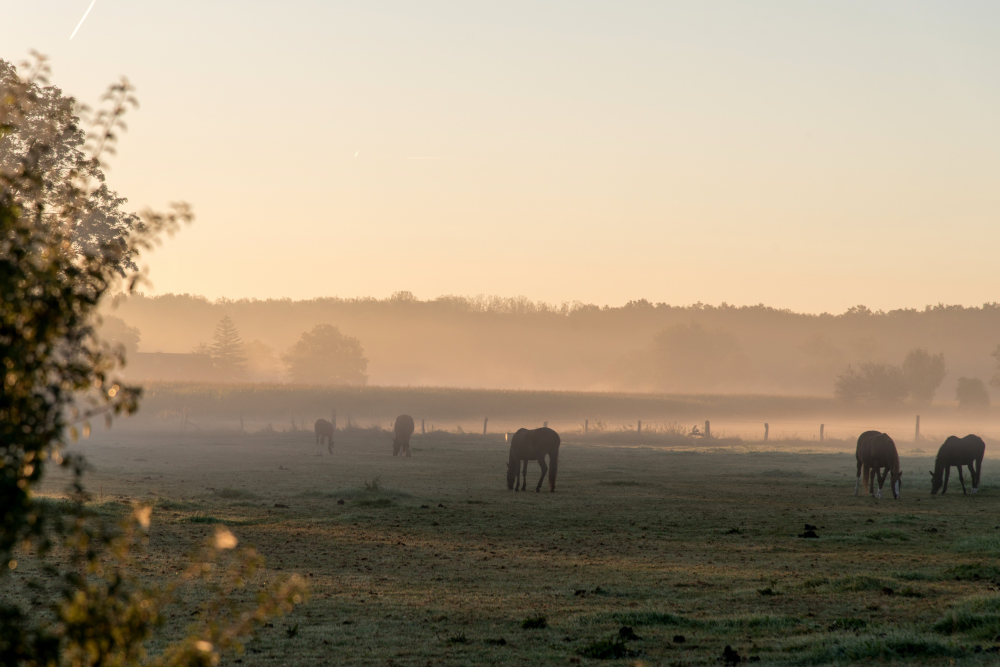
(811, 156)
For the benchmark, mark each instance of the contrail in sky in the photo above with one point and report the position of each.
(83, 19)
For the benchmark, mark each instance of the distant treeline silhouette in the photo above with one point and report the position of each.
(490, 341)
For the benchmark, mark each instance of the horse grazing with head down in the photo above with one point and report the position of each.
(402, 431)
(876, 451)
(958, 452)
(532, 445)
(324, 431)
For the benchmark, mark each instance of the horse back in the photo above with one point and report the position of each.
(883, 451)
(967, 449)
(533, 444)
(403, 428)
(975, 446)
(864, 450)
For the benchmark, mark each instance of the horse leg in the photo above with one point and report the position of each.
(545, 469)
(524, 476)
(857, 484)
(870, 480)
(947, 474)
(881, 481)
(961, 478)
(979, 470)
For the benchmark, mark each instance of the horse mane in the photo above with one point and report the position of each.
(938, 460)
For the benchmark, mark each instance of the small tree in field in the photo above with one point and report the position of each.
(228, 352)
(924, 373)
(972, 394)
(871, 382)
(326, 356)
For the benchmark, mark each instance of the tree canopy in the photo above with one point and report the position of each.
(47, 132)
(923, 373)
(326, 356)
(972, 394)
(918, 378)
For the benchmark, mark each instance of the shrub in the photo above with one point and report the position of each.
(972, 394)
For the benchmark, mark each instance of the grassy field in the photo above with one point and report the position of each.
(435, 562)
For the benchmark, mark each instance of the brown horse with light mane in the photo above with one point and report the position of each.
(958, 452)
(876, 451)
(533, 445)
(324, 431)
(402, 431)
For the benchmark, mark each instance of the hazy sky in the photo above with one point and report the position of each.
(801, 154)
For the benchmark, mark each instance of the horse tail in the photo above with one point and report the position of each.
(553, 467)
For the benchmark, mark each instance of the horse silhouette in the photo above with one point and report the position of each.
(533, 445)
(876, 451)
(958, 452)
(324, 431)
(402, 430)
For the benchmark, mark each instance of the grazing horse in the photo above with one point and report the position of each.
(876, 451)
(324, 431)
(532, 445)
(958, 452)
(402, 430)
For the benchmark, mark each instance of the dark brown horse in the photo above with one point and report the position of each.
(958, 452)
(324, 431)
(876, 451)
(532, 445)
(402, 432)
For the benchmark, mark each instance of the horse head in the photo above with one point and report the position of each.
(936, 481)
(395, 446)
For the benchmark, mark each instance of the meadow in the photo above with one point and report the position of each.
(646, 554)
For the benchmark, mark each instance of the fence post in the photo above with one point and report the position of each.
(638, 430)
(486, 420)
(241, 424)
(586, 426)
(916, 433)
(333, 418)
(766, 429)
(545, 425)
(821, 432)
(708, 429)
(184, 425)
